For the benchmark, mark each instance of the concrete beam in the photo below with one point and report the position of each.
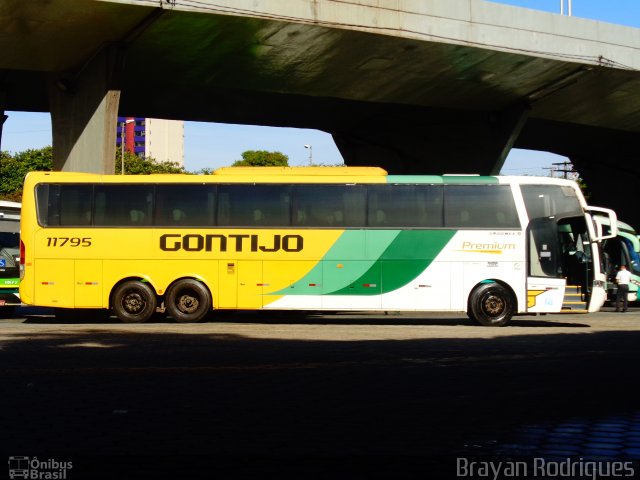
(511, 123)
(84, 110)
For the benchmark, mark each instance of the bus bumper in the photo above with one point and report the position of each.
(598, 296)
(10, 298)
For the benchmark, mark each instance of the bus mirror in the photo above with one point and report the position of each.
(612, 219)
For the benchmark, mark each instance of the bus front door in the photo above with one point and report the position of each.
(545, 284)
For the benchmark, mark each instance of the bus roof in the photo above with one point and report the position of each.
(291, 175)
(302, 171)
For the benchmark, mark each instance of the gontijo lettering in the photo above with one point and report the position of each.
(194, 242)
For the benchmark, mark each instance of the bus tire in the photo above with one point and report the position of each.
(134, 302)
(491, 305)
(188, 300)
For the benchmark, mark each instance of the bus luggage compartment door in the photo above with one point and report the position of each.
(88, 283)
(54, 280)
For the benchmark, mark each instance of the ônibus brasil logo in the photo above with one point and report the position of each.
(32, 468)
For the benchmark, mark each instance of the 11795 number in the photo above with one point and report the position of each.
(68, 241)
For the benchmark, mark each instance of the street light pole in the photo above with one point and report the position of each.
(310, 147)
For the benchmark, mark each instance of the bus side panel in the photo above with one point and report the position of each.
(362, 287)
(545, 294)
(88, 284)
(428, 291)
(54, 282)
(300, 281)
(227, 285)
(250, 286)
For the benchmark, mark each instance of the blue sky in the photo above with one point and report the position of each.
(214, 145)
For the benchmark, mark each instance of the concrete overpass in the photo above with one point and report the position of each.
(411, 85)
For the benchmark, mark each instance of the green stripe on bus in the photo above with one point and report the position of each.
(334, 270)
(437, 180)
(407, 256)
(392, 258)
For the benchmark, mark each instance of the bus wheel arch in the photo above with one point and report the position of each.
(492, 303)
(188, 300)
(133, 300)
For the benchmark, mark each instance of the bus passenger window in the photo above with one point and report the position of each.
(254, 205)
(184, 205)
(417, 206)
(123, 205)
(329, 205)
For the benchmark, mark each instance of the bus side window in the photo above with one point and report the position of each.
(123, 205)
(75, 205)
(184, 204)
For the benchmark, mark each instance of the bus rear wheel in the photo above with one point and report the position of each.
(491, 305)
(134, 302)
(188, 300)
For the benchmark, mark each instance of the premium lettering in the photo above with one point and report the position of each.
(488, 246)
(194, 242)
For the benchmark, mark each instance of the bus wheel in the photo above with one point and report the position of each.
(134, 302)
(491, 305)
(188, 300)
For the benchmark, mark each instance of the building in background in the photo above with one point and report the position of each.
(162, 140)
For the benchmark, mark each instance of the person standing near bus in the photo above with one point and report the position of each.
(623, 277)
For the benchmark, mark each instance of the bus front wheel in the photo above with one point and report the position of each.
(188, 300)
(491, 305)
(134, 302)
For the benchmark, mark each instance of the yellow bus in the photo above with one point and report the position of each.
(324, 238)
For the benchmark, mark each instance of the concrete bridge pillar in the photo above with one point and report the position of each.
(84, 111)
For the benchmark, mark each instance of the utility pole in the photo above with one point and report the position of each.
(568, 168)
(310, 147)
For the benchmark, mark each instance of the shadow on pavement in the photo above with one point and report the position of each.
(153, 405)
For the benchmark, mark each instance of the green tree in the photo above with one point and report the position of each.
(262, 158)
(204, 171)
(135, 165)
(14, 168)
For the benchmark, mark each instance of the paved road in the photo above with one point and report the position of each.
(335, 396)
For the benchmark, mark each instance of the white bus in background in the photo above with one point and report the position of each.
(623, 249)
(9, 256)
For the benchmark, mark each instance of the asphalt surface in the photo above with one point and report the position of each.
(308, 396)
